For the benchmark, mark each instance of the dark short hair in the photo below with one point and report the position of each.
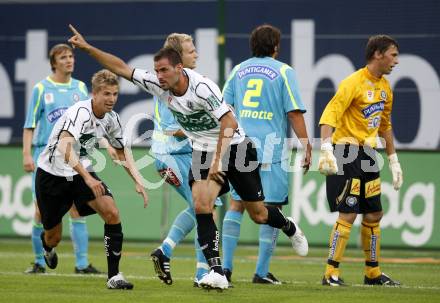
(55, 50)
(170, 53)
(378, 43)
(264, 39)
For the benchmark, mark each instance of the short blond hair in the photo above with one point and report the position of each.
(175, 41)
(102, 78)
(55, 50)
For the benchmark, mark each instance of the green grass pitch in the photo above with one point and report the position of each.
(418, 270)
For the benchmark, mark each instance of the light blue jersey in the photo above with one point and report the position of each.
(164, 121)
(263, 91)
(48, 103)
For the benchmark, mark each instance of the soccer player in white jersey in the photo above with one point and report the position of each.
(173, 153)
(221, 152)
(50, 98)
(65, 175)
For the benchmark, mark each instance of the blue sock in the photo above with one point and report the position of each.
(80, 239)
(267, 242)
(231, 233)
(182, 225)
(37, 246)
(202, 264)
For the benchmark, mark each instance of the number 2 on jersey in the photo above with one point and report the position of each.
(254, 87)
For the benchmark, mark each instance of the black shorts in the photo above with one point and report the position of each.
(55, 196)
(240, 163)
(356, 187)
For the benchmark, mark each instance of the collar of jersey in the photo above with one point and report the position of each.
(58, 83)
(370, 76)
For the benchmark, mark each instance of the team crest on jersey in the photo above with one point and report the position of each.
(75, 97)
(383, 95)
(370, 95)
(49, 98)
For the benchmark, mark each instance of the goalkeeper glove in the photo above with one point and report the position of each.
(327, 161)
(396, 171)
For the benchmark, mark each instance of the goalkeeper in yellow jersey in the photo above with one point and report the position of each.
(359, 112)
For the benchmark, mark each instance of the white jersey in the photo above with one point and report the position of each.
(87, 129)
(198, 111)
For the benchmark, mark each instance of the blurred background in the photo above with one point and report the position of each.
(323, 40)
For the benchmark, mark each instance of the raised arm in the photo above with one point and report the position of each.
(107, 60)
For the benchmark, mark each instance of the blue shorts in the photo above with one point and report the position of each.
(37, 151)
(175, 169)
(275, 181)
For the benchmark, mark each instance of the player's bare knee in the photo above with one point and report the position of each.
(111, 216)
(258, 217)
(348, 217)
(52, 239)
(373, 217)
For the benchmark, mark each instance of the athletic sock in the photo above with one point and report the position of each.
(370, 238)
(37, 246)
(113, 238)
(182, 226)
(80, 239)
(275, 218)
(208, 237)
(202, 267)
(267, 242)
(338, 241)
(230, 235)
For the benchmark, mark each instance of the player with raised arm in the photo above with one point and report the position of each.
(173, 153)
(65, 175)
(221, 151)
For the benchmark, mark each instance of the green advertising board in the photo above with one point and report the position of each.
(411, 215)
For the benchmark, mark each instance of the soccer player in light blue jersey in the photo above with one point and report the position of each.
(50, 99)
(173, 154)
(264, 93)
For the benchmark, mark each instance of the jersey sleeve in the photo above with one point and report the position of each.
(338, 104)
(75, 120)
(147, 81)
(83, 89)
(385, 120)
(36, 107)
(291, 97)
(115, 134)
(229, 87)
(211, 99)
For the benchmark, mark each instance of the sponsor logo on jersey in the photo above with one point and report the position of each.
(197, 121)
(265, 71)
(372, 188)
(49, 98)
(54, 115)
(373, 108)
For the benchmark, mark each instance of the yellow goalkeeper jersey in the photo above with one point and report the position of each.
(360, 109)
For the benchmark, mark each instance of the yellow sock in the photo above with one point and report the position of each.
(370, 236)
(338, 241)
